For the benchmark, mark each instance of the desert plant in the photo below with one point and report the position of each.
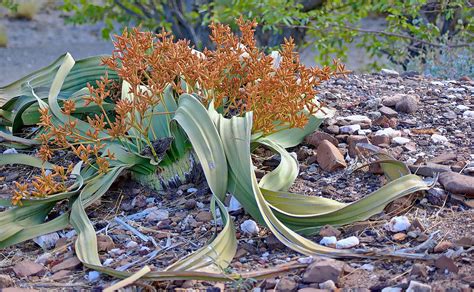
(155, 104)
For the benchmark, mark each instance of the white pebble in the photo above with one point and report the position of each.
(400, 140)
(439, 139)
(116, 251)
(131, 244)
(462, 107)
(329, 240)
(107, 262)
(468, 115)
(364, 132)
(389, 72)
(47, 241)
(306, 260)
(368, 267)
(355, 119)
(43, 259)
(399, 223)
(93, 276)
(388, 132)
(249, 226)
(10, 151)
(191, 190)
(347, 242)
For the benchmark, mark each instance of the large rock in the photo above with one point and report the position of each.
(317, 137)
(329, 157)
(322, 270)
(457, 183)
(408, 104)
(68, 264)
(28, 268)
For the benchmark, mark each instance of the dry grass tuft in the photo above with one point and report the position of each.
(3, 36)
(27, 9)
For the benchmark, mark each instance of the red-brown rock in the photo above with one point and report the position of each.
(317, 137)
(28, 268)
(445, 263)
(443, 246)
(329, 157)
(104, 243)
(323, 270)
(68, 264)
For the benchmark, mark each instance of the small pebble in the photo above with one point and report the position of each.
(249, 226)
(347, 242)
(328, 241)
(397, 224)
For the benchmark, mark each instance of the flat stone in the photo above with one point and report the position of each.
(400, 140)
(322, 270)
(68, 264)
(429, 169)
(457, 183)
(416, 286)
(329, 157)
(317, 137)
(28, 268)
(60, 275)
(388, 112)
(381, 139)
(444, 263)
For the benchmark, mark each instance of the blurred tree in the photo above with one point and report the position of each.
(412, 27)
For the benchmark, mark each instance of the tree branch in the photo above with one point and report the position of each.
(124, 8)
(385, 33)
